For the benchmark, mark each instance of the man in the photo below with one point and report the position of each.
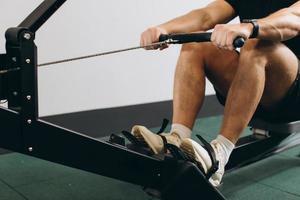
(262, 79)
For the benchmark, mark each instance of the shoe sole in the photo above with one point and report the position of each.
(143, 139)
(187, 146)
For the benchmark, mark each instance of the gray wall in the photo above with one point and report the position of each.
(87, 27)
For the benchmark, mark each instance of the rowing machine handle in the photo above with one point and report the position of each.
(196, 37)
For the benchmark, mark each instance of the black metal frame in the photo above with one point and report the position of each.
(22, 130)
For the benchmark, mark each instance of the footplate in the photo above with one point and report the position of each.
(179, 178)
(184, 180)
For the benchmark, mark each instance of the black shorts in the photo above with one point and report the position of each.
(287, 110)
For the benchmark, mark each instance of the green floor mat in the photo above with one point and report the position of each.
(83, 186)
(9, 193)
(24, 177)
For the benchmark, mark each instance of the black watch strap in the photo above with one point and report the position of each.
(255, 27)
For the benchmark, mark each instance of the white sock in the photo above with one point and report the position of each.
(227, 146)
(181, 130)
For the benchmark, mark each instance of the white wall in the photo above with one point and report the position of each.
(87, 27)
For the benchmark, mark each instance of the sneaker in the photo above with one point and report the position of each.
(200, 155)
(216, 178)
(154, 141)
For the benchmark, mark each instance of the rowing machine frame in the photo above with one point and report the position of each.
(23, 131)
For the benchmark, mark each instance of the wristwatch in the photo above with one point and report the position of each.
(255, 27)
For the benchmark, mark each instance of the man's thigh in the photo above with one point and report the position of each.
(281, 96)
(280, 100)
(281, 73)
(281, 70)
(220, 67)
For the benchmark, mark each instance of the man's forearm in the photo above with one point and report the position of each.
(282, 25)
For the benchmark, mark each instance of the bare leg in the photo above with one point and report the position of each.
(189, 85)
(265, 73)
(189, 89)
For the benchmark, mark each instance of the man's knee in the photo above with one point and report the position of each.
(258, 50)
(200, 49)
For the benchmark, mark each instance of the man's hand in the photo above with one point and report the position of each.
(151, 35)
(224, 35)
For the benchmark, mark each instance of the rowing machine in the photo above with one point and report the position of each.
(23, 131)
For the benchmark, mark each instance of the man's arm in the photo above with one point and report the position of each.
(203, 19)
(281, 25)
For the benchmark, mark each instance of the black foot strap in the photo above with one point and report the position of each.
(212, 155)
(177, 153)
(133, 139)
(163, 126)
(164, 139)
(161, 130)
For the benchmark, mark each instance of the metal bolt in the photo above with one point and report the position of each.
(29, 121)
(30, 149)
(28, 60)
(15, 93)
(14, 59)
(27, 36)
(28, 97)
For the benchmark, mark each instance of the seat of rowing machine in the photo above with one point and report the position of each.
(276, 126)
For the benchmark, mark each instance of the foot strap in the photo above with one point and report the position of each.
(177, 153)
(164, 139)
(161, 130)
(212, 155)
(163, 126)
(133, 139)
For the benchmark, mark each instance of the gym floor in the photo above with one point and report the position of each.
(23, 177)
